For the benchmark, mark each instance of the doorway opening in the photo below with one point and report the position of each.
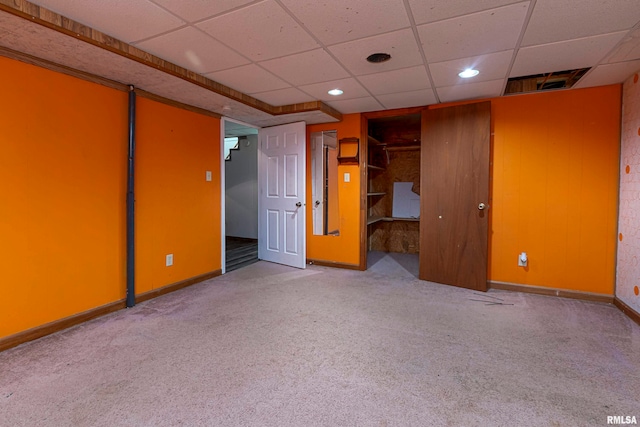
(393, 192)
(240, 195)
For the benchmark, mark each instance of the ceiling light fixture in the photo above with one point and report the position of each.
(376, 58)
(335, 92)
(469, 72)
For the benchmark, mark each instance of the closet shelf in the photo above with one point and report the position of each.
(373, 141)
(376, 193)
(374, 219)
(376, 168)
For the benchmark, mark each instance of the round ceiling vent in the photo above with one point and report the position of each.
(378, 57)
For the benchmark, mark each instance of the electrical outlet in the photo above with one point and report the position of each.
(523, 260)
(169, 260)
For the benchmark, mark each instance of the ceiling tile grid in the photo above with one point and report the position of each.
(395, 81)
(415, 98)
(560, 56)
(401, 45)
(476, 34)
(557, 20)
(197, 10)
(126, 20)
(194, 50)
(286, 96)
(248, 79)
(491, 66)
(291, 51)
(351, 87)
(260, 31)
(309, 67)
(338, 21)
(489, 89)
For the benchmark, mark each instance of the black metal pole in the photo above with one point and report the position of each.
(131, 288)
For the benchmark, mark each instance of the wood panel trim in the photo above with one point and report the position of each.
(58, 325)
(334, 264)
(563, 293)
(76, 319)
(54, 21)
(176, 286)
(630, 312)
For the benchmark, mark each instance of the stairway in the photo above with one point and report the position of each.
(240, 252)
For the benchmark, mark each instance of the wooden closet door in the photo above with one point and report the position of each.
(454, 217)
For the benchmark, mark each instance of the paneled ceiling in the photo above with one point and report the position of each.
(284, 52)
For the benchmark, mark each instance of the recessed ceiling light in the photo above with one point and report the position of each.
(335, 92)
(469, 72)
(378, 57)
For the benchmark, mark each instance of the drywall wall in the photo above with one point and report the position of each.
(63, 183)
(63, 191)
(344, 248)
(177, 209)
(555, 188)
(241, 184)
(628, 267)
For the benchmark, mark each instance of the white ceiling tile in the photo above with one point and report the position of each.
(337, 21)
(628, 49)
(401, 45)
(283, 96)
(248, 79)
(123, 19)
(194, 10)
(490, 89)
(358, 105)
(305, 68)
(404, 80)
(609, 74)
(556, 20)
(414, 98)
(494, 30)
(193, 50)
(350, 86)
(425, 11)
(561, 56)
(261, 31)
(492, 66)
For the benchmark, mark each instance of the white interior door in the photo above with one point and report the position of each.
(281, 197)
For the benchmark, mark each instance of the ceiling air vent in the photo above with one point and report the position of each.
(546, 81)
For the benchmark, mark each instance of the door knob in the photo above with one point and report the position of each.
(317, 203)
(298, 204)
(482, 206)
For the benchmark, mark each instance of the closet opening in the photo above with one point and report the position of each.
(393, 191)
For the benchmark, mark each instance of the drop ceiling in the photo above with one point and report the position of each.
(278, 58)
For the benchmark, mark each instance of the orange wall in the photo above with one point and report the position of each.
(345, 247)
(177, 210)
(62, 187)
(555, 186)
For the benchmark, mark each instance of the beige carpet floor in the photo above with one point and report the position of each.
(269, 345)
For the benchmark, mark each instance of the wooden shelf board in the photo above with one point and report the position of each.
(374, 219)
(376, 194)
(377, 168)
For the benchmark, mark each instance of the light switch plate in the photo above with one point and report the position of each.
(208, 175)
(347, 177)
(169, 260)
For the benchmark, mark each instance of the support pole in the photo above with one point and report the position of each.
(131, 288)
